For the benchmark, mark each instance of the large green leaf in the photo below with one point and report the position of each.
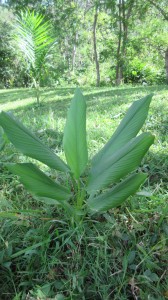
(74, 141)
(2, 140)
(128, 128)
(119, 164)
(38, 183)
(29, 144)
(118, 194)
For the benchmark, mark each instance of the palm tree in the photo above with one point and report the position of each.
(34, 38)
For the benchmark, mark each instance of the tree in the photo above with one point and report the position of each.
(124, 14)
(12, 68)
(18, 5)
(163, 10)
(6, 55)
(95, 46)
(34, 38)
(121, 40)
(161, 6)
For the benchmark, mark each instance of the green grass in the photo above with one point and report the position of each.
(119, 255)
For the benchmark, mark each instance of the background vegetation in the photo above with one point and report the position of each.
(97, 42)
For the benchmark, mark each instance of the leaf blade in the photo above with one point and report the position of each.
(2, 140)
(121, 163)
(34, 37)
(29, 144)
(117, 195)
(38, 183)
(74, 141)
(128, 128)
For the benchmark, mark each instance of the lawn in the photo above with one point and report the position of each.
(118, 255)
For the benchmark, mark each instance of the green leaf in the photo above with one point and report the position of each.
(29, 144)
(38, 183)
(117, 195)
(119, 164)
(151, 276)
(33, 35)
(7, 214)
(74, 142)
(28, 249)
(2, 140)
(128, 128)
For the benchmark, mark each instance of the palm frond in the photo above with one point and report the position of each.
(34, 38)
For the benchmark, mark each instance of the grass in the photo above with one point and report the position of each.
(119, 255)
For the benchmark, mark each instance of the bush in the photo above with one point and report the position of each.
(137, 71)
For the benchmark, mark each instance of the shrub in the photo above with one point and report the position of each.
(104, 186)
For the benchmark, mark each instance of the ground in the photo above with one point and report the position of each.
(118, 255)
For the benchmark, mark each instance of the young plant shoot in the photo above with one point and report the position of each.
(112, 176)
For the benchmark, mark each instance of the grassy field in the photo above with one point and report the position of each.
(119, 255)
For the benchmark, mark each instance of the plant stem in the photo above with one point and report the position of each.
(38, 93)
(79, 196)
(37, 89)
(79, 202)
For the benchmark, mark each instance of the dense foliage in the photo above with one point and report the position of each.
(12, 66)
(98, 42)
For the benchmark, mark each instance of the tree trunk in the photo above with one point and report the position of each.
(159, 8)
(74, 52)
(166, 64)
(95, 49)
(38, 95)
(37, 90)
(119, 74)
(124, 14)
(165, 15)
(119, 66)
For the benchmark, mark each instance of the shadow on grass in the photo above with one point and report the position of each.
(57, 99)
(21, 94)
(98, 101)
(47, 93)
(60, 107)
(13, 95)
(157, 167)
(52, 137)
